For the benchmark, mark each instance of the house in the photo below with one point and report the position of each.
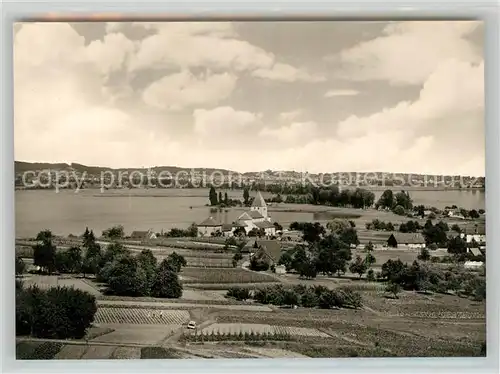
(270, 249)
(280, 269)
(473, 264)
(209, 227)
(143, 235)
(227, 229)
(455, 213)
(470, 238)
(410, 240)
(475, 251)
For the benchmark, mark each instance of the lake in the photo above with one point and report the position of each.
(68, 212)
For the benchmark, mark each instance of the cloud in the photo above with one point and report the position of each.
(408, 52)
(286, 73)
(178, 91)
(290, 116)
(334, 93)
(212, 45)
(223, 121)
(295, 133)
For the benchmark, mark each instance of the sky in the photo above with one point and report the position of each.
(339, 96)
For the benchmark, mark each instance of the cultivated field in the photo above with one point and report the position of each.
(48, 281)
(219, 276)
(141, 316)
(233, 329)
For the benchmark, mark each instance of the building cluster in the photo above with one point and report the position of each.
(257, 219)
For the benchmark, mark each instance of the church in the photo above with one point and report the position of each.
(256, 218)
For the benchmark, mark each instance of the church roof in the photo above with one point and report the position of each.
(255, 214)
(245, 217)
(258, 201)
(209, 222)
(264, 225)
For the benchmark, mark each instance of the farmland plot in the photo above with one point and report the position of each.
(248, 328)
(71, 352)
(141, 316)
(223, 275)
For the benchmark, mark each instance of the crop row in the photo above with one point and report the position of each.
(141, 316)
(233, 329)
(445, 315)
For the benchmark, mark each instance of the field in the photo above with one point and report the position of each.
(47, 281)
(141, 316)
(219, 276)
(233, 329)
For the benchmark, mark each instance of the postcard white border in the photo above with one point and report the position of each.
(424, 9)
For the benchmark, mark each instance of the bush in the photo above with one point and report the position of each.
(56, 313)
(350, 298)
(309, 299)
(20, 266)
(239, 293)
(370, 276)
(166, 284)
(393, 288)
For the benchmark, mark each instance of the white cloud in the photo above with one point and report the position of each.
(110, 54)
(185, 49)
(295, 133)
(453, 89)
(409, 51)
(334, 93)
(290, 116)
(223, 121)
(286, 73)
(178, 91)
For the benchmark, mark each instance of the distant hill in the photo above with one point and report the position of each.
(21, 167)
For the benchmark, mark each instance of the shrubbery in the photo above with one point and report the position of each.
(425, 277)
(301, 295)
(58, 313)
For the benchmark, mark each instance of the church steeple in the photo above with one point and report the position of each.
(259, 204)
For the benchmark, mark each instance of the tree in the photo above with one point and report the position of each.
(403, 199)
(456, 228)
(56, 313)
(246, 196)
(457, 246)
(93, 256)
(75, 260)
(166, 283)
(220, 201)
(126, 278)
(349, 236)
(424, 255)
(369, 247)
(399, 210)
(212, 196)
(370, 275)
(393, 288)
(286, 259)
(114, 233)
(332, 255)
(20, 266)
(392, 270)
(359, 266)
(474, 214)
(370, 259)
(148, 263)
(226, 198)
(386, 200)
(192, 231)
(290, 298)
(177, 261)
(44, 253)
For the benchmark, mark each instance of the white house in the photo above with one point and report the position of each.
(209, 227)
(409, 240)
(478, 238)
(473, 264)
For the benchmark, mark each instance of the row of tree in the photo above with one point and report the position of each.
(300, 295)
(216, 199)
(332, 196)
(123, 273)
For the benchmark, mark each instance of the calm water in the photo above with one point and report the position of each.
(69, 212)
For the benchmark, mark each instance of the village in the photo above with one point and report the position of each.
(227, 267)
